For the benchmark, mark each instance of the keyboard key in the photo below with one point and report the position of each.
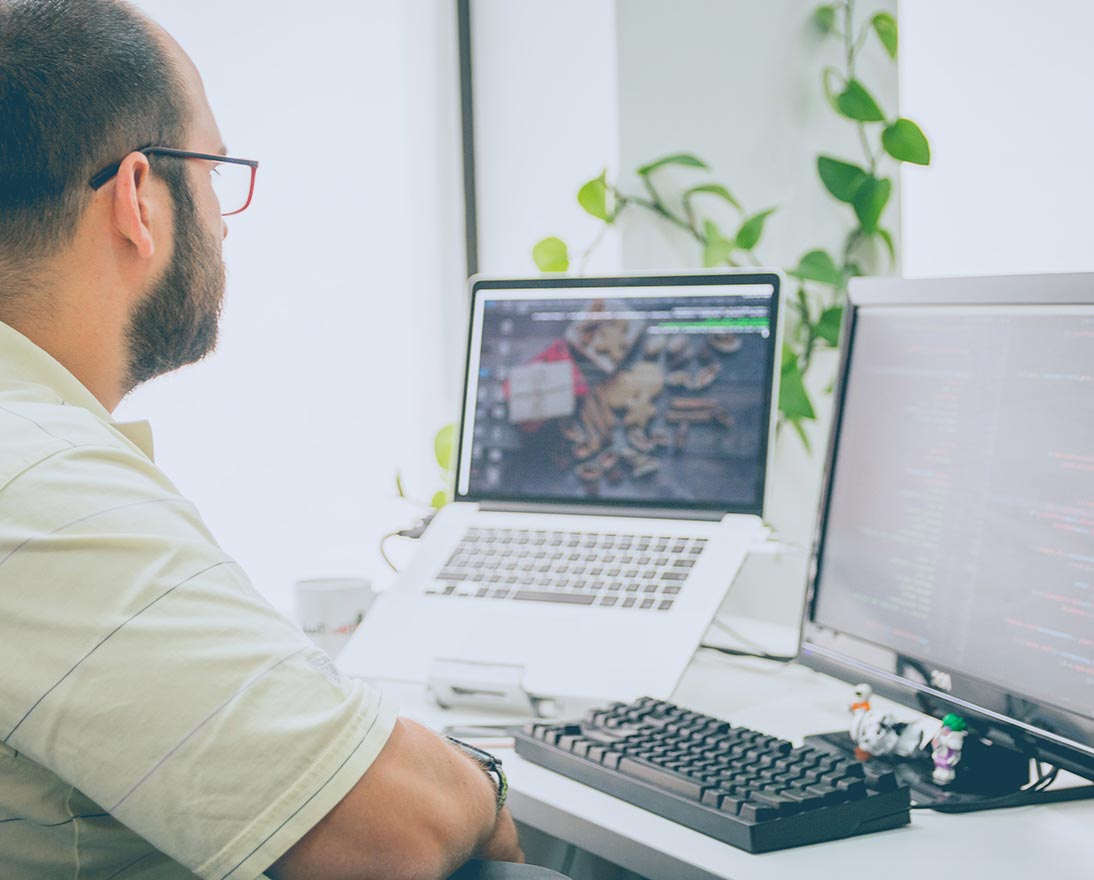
(561, 598)
(665, 779)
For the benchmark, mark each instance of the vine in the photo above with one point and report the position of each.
(817, 306)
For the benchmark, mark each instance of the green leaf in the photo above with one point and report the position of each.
(440, 499)
(828, 327)
(818, 266)
(830, 77)
(714, 189)
(905, 141)
(885, 27)
(686, 159)
(825, 18)
(855, 102)
(748, 236)
(870, 201)
(444, 444)
(800, 429)
(886, 236)
(717, 248)
(593, 197)
(842, 179)
(399, 485)
(551, 255)
(794, 400)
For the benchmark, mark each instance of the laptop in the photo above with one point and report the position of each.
(614, 452)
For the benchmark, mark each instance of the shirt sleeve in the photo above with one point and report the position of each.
(142, 667)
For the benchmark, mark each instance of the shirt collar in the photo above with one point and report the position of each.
(35, 375)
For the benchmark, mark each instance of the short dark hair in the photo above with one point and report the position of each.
(82, 84)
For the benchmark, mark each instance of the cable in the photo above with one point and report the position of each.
(761, 655)
(1019, 798)
(568, 860)
(415, 531)
(758, 650)
(383, 551)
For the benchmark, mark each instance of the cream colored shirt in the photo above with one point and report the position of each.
(158, 719)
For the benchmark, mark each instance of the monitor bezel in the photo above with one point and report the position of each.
(482, 285)
(1055, 734)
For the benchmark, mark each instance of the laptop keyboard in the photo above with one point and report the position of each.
(607, 569)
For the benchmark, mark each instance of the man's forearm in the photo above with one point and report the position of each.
(419, 812)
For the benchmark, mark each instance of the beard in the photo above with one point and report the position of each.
(176, 323)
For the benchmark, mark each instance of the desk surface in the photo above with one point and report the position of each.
(1052, 841)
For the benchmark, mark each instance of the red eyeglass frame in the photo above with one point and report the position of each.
(99, 179)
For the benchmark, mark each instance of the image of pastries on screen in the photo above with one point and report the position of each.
(644, 400)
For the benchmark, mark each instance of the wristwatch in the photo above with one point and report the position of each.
(490, 765)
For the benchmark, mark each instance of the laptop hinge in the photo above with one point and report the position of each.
(605, 510)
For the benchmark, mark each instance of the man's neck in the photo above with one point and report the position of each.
(96, 358)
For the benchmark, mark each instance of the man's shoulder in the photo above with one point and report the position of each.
(35, 433)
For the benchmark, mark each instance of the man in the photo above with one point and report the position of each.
(157, 718)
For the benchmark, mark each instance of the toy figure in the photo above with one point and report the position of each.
(946, 748)
(876, 733)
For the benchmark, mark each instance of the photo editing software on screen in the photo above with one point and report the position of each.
(659, 398)
(960, 527)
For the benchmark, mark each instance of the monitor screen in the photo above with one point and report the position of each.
(956, 547)
(645, 393)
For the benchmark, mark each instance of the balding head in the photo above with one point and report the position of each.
(82, 83)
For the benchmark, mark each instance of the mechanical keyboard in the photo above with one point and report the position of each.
(743, 787)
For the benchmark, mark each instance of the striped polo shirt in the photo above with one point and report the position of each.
(158, 718)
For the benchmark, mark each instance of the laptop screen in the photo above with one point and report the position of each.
(652, 392)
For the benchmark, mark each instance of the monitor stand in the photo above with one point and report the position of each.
(989, 776)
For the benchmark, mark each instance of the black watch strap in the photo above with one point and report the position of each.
(490, 765)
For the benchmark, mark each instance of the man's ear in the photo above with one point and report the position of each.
(135, 207)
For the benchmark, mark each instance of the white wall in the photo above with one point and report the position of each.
(546, 121)
(1006, 93)
(338, 359)
(739, 85)
(343, 274)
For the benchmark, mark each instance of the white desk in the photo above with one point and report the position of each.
(1051, 841)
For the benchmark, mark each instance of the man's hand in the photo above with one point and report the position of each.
(503, 844)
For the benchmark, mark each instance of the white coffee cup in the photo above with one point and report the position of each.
(329, 610)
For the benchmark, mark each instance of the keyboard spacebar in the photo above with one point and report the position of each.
(566, 598)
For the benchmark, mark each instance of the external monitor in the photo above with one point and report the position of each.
(953, 567)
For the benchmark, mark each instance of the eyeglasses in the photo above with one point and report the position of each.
(233, 179)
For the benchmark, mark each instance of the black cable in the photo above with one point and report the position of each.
(1015, 798)
(758, 650)
(568, 860)
(761, 655)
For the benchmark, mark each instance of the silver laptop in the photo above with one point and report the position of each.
(615, 446)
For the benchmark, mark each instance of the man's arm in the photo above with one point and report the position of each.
(420, 811)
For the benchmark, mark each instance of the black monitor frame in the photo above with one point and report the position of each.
(1014, 720)
(481, 286)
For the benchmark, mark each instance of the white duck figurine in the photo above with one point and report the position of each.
(877, 733)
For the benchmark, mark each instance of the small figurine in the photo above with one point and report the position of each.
(946, 748)
(876, 733)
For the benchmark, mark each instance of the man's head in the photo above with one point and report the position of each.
(83, 84)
